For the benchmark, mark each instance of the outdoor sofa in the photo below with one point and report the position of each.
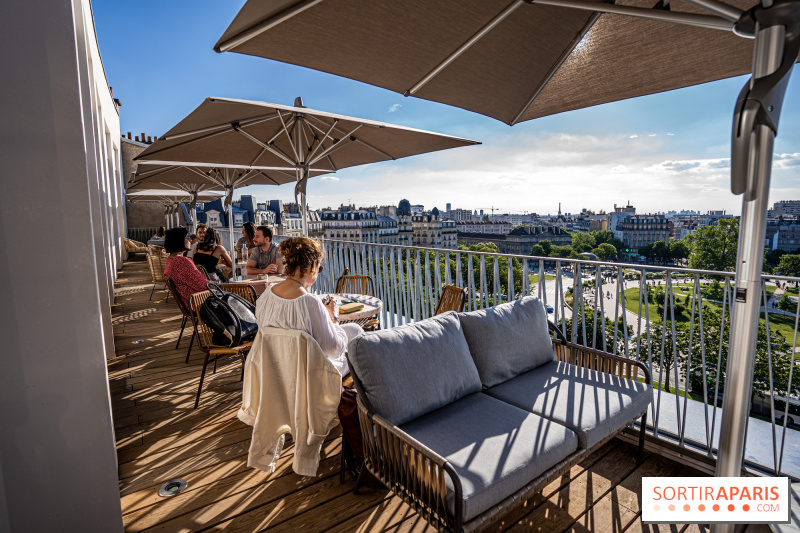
(464, 415)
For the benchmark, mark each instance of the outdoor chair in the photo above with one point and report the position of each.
(134, 247)
(204, 335)
(242, 289)
(155, 249)
(202, 270)
(348, 284)
(157, 264)
(453, 298)
(187, 315)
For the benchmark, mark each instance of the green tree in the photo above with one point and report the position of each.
(679, 250)
(583, 242)
(605, 251)
(714, 247)
(773, 257)
(547, 246)
(661, 250)
(486, 218)
(786, 303)
(607, 237)
(789, 265)
(647, 251)
(564, 252)
(538, 250)
(713, 291)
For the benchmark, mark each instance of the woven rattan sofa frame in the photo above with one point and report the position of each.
(416, 473)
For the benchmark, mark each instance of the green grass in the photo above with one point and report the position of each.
(792, 291)
(777, 323)
(534, 278)
(673, 390)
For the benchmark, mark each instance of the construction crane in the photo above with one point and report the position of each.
(493, 209)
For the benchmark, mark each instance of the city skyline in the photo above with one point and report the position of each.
(668, 151)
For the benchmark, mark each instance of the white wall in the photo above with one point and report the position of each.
(61, 187)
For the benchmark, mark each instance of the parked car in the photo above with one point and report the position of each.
(550, 309)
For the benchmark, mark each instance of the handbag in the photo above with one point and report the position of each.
(230, 317)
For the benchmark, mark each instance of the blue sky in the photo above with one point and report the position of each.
(661, 152)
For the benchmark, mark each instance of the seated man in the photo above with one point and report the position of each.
(265, 257)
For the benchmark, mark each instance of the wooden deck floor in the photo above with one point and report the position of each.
(161, 437)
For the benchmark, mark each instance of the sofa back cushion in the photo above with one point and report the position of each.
(411, 370)
(508, 340)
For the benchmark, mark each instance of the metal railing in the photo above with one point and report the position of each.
(141, 234)
(675, 320)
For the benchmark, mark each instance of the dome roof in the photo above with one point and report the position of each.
(404, 207)
(435, 211)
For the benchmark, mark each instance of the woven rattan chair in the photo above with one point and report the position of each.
(453, 299)
(347, 284)
(157, 264)
(134, 247)
(244, 290)
(204, 335)
(187, 315)
(202, 270)
(155, 249)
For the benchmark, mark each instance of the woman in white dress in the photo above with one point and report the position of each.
(289, 305)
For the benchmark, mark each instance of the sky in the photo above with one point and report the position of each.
(668, 151)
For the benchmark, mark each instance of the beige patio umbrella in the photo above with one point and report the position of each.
(195, 179)
(171, 199)
(522, 59)
(284, 143)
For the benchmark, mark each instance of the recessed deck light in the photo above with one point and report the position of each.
(171, 488)
(140, 341)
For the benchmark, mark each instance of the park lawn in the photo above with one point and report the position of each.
(534, 278)
(777, 323)
(792, 291)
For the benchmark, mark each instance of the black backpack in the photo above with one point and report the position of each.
(231, 318)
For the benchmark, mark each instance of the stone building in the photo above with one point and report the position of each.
(387, 230)
(638, 231)
(498, 227)
(520, 240)
(357, 225)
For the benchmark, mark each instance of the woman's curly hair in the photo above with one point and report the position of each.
(300, 252)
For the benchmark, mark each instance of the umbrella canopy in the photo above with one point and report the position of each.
(285, 143)
(510, 60)
(171, 198)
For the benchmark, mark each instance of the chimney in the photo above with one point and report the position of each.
(149, 139)
(137, 138)
(143, 137)
(129, 135)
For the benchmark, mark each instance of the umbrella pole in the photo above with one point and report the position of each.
(755, 155)
(229, 199)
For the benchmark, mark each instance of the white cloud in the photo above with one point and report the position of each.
(395, 107)
(634, 136)
(652, 134)
(670, 134)
(329, 178)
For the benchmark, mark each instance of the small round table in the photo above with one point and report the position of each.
(370, 311)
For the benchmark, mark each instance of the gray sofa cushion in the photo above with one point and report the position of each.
(508, 340)
(591, 403)
(414, 369)
(495, 448)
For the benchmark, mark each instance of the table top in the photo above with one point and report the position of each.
(260, 285)
(372, 306)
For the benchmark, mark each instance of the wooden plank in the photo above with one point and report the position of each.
(564, 507)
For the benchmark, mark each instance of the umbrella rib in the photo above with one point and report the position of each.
(245, 122)
(721, 9)
(262, 144)
(257, 29)
(465, 46)
(557, 66)
(155, 171)
(365, 143)
(325, 136)
(289, 136)
(691, 19)
(342, 142)
(188, 141)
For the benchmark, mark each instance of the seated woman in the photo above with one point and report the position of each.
(289, 305)
(208, 252)
(248, 234)
(179, 269)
